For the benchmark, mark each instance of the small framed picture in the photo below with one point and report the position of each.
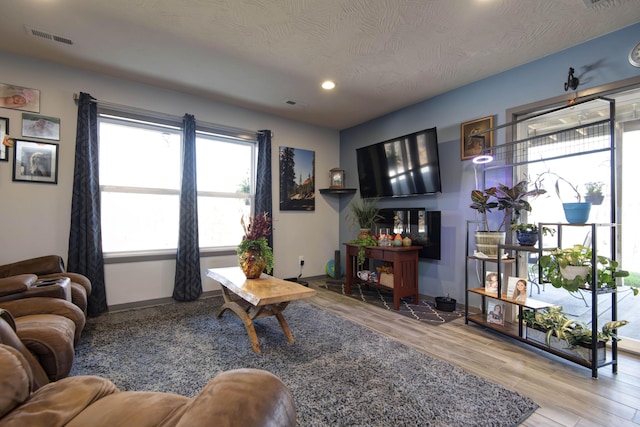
(4, 131)
(36, 126)
(337, 178)
(35, 161)
(472, 147)
(517, 288)
(495, 312)
(19, 98)
(491, 282)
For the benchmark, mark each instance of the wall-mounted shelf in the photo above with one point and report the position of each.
(337, 191)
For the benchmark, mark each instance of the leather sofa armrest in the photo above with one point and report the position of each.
(74, 277)
(39, 305)
(248, 397)
(41, 265)
(16, 284)
(32, 288)
(59, 402)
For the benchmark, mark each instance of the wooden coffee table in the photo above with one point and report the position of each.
(263, 297)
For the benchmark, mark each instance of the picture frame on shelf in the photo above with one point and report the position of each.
(496, 312)
(472, 147)
(336, 178)
(42, 127)
(4, 131)
(516, 290)
(35, 161)
(491, 282)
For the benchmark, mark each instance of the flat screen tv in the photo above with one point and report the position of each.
(404, 166)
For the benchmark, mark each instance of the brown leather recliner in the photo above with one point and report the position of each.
(241, 397)
(51, 267)
(47, 327)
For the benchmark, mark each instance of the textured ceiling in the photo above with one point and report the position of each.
(383, 54)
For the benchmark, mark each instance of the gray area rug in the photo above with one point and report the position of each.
(340, 373)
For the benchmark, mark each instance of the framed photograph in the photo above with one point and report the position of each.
(35, 161)
(491, 282)
(19, 98)
(472, 147)
(495, 312)
(517, 288)
(36, 126)
(4, 131)
(297, 180)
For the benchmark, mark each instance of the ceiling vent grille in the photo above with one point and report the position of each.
(47, 36)
(596, 3)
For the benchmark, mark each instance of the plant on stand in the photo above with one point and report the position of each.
(254, 253)
(527, 234)
(511, 201)
(573, 269)
(575, 212)
(364, 213)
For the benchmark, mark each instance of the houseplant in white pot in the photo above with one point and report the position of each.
(573, 268)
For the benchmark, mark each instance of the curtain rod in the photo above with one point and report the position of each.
(167, 117)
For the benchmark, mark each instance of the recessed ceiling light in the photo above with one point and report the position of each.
(328, 85)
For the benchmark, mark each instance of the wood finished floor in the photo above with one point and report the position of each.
(566, 393)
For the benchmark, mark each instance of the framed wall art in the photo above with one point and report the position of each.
(297, 179)
(471, 147)
(19, 98)
(35, 161)
(36, 126)
(4, 131)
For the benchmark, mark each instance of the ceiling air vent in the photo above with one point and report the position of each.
(47, 36)
(596, 3)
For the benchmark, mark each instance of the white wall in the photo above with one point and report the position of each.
(34, 218)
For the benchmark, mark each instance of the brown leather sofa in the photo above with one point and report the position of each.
(242, 397)
(50, 267)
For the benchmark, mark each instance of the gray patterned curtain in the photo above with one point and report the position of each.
(85, 235)
(263, 186)
(188, 284)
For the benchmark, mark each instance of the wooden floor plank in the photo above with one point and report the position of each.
(566, 393)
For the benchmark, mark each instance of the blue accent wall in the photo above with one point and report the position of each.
(597, 62)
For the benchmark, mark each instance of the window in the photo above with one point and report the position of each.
(140, 173)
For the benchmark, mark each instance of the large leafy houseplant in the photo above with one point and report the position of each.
(511, 201)
(554, 263)
(254, 245)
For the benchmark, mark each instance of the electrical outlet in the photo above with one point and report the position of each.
(301, 260)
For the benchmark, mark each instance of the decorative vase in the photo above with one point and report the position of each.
(487, 242)
(527, 238)
(252, 263)
(577, 213)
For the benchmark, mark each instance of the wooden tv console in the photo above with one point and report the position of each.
(405, 268)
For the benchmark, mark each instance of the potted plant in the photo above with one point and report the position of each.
(364, 213)
(575, 212)
(562, 333)
(527, 234)
(511, 201)
(559, 269)
(254, 253)
(594, 194)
